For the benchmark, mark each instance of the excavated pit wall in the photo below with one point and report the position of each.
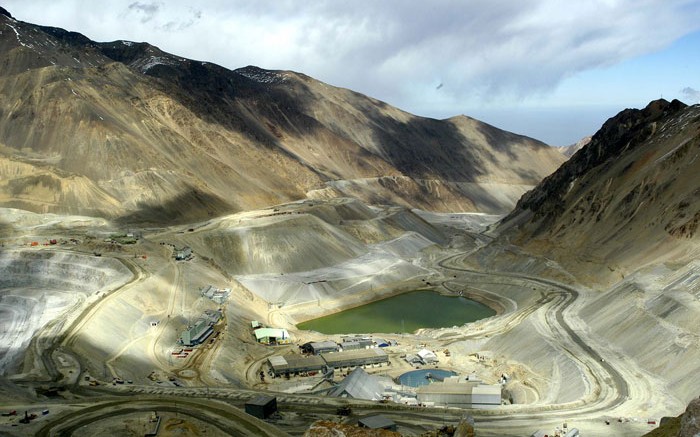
(40, 286)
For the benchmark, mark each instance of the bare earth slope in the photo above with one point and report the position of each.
(127, 131)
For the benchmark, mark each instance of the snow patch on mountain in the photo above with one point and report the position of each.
(146, 64)
(262, 76)
(19, 40)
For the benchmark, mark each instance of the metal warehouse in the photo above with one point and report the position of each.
(356, 343)
(283, 364)
(354, 358)
(320, 347)
(457, 392)
(486, 396)
(272, 336)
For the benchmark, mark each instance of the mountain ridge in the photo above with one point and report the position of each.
(138, 130)
(626, 199)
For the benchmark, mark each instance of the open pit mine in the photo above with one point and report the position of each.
(189, 250)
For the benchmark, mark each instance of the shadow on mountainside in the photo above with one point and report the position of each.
(266, 110)
(191, 205)
(426, 148)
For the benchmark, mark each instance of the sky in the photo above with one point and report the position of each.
(554, 70)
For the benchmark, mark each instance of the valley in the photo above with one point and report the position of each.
(559, 369)
(169, 227)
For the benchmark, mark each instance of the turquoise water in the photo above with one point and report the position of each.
(416, 378)
(406, 312)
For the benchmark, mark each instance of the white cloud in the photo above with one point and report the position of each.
(691, 95)
(400, 51)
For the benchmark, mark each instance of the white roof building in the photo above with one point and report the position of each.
(427, 356)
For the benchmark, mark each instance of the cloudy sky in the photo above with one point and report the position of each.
(551, 69)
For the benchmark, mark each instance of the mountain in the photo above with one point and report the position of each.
(569, 150)
(628, 198)
(126, 131)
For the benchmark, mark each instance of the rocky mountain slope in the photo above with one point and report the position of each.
(629, 198)
(126, 131)
(622, 217)
(685, 425)
(569, 150)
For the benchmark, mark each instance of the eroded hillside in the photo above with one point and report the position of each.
(127, 131)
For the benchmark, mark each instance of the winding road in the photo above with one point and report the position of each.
(603, 371)
(609, 388)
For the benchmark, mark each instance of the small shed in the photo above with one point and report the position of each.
(262, 406)
(377, 422)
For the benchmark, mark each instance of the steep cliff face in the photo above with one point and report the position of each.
(631, 196)
(125, 130)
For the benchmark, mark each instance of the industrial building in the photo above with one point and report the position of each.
(283, 364)
(423, 356)
(353, 343)
(196, 334)
(261, 406)
(320, 347)
(183, 254)
(427, 356)
(272, 336)
(574, 432)
(460, 392)
(358, 385)
(218, 295)
(355, 358)
(201, 330)
(413, 359)
(485, 396)
(380, 342)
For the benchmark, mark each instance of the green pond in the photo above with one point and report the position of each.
(406, 312)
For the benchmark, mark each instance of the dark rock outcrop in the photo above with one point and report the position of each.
(629, 197)
(618, 135)
(690, 423)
